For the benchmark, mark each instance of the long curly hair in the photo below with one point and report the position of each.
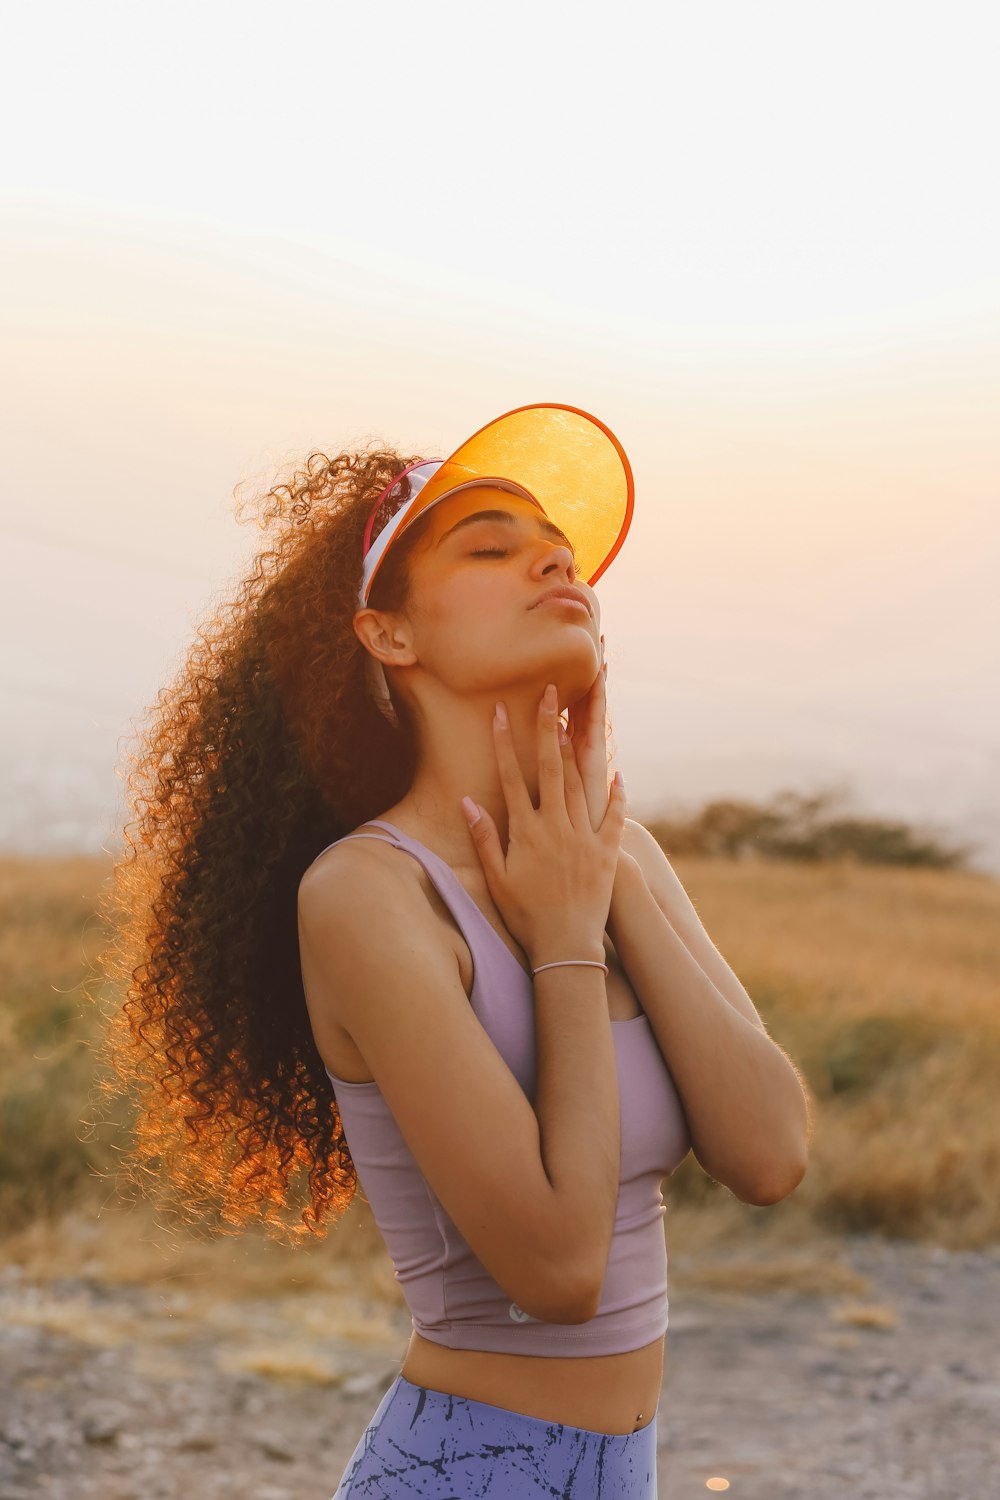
(265, 748)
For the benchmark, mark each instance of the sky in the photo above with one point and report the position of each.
(759, 243)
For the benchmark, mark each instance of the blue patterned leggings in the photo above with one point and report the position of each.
(427, 1444)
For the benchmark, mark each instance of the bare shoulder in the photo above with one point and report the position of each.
(643, 847)
(363, 883)
(364, 896)
(638, 836)
(660, 875)
(636, 839)
(371, 853)
(372, 869)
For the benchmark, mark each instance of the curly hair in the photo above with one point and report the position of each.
(265, 748)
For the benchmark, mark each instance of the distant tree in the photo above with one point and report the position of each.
(803, 826)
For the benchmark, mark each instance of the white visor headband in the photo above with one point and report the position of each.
(417, 476)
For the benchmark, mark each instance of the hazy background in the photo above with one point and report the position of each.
(761, 244)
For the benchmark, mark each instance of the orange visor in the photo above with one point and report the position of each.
(561, 458)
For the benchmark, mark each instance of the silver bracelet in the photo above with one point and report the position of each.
(561, 963)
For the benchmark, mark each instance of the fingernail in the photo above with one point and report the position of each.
(549, 697)
(471, 811)
(501, 716)
(619, 778)
(563, 736)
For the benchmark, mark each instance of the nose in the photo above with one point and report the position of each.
(558, 555)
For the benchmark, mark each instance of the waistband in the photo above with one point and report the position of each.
(425, 1398)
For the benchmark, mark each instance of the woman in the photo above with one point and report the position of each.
(483, 1029)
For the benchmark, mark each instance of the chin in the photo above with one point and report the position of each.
(574, 676)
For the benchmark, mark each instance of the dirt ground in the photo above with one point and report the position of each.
(874, 1376)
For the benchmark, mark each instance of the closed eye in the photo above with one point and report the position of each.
(489, 552)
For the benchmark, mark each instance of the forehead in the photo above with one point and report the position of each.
(453, 508)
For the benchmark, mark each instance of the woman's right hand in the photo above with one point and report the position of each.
(553, 886)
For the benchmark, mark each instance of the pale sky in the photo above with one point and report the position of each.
(760, 243)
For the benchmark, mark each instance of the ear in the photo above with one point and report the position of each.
(386, 636)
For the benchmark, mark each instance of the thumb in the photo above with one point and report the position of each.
(614, 817)
(484, 835)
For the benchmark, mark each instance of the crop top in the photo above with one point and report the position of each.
(451, 1297)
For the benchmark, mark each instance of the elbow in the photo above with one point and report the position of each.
(773, 1189)
(573, 1296)
(762, 1181)
(562, 1304)
(579, 1308)
(588, 1301)
(567, 1272)
(585, 1302)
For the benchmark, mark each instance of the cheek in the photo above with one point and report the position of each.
(461, 615)
(469, 601)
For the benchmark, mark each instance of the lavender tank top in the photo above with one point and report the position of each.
(451, 1297)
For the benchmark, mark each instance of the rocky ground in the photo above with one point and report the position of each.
(875, 1377)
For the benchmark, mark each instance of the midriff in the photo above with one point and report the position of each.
(603, 1392)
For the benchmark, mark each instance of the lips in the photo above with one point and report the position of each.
(564, 591)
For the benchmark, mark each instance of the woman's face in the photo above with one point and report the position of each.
(478, 577)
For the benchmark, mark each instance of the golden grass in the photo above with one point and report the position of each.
(880, 983)
(842, 940)
(814, 1276)
(282, 1362)
(75, 1317)
(867, 1315)
(343, 1288)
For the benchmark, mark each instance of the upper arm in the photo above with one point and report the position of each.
(677, 906)
(374, 955)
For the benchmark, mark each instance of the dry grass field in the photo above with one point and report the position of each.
(882, 984)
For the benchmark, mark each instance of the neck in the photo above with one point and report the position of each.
(458, 758)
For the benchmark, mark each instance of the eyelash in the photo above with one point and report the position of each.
(494, 552)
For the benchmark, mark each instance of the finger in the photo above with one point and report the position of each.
(599, 697)
(484, 835)
(595, 729)
(576, 718)
(590, 710)
(551, 794)
(511, 776)
(576, 795)
(613, 824)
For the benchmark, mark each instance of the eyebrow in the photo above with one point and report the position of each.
(505, 516)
